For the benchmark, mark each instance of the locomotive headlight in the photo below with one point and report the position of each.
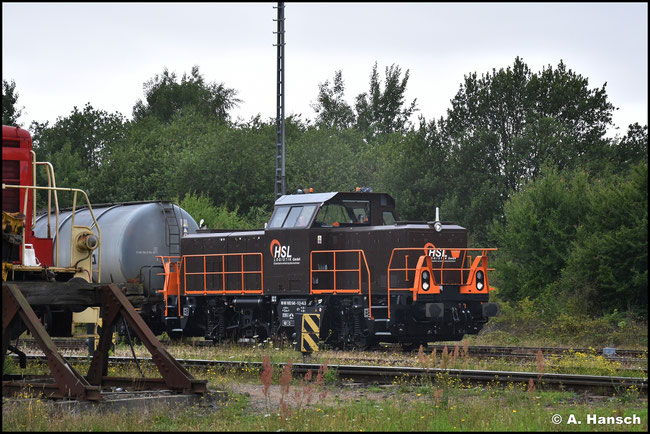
(479, 280)
(437, 226)
(425, 280)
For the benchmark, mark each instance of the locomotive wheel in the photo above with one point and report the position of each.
(366, 343)
(175, 336)
(413, 346)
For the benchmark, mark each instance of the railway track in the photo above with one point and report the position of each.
(514, 352)
(389, 374)
(76, 343)
(625, 357)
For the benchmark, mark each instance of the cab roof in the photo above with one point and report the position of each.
(320, 198)
(292, 199)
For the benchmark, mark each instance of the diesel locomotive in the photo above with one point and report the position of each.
(345, 255)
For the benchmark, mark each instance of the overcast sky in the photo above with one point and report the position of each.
(63, 55)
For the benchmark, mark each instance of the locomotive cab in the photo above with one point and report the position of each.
(327, 210)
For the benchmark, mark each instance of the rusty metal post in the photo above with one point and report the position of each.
(175, 376)
(99, 363)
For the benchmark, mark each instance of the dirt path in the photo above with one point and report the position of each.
(301, 396)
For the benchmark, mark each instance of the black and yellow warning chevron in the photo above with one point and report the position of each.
(310, 323)
(309, 342)
(310, 330)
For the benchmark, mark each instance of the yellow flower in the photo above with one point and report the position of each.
(514, 411)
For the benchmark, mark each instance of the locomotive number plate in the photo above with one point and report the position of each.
(288, 309)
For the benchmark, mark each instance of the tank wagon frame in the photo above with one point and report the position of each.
(346, 254)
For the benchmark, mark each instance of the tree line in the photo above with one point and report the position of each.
(522, 159)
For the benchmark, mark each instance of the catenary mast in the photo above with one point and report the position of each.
(280, 177)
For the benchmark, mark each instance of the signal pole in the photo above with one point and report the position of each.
(280, 176)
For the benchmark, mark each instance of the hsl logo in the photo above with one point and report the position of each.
(440, 254)
(282, 254)
(279, 251)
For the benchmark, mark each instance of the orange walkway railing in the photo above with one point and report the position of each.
(215, 273)
(352, 274)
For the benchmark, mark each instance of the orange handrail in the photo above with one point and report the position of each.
(466, 274)
(223, 273)
(335, 270)
(172, 280)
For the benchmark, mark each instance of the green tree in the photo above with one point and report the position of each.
(413, 168)
(607, 267)
(78, 146)
(10, 111)
(90, 132)
(506, 125)
(165, 97)
(332, 112)
(383, 111)
(541, 222)
(633, 147)
(324, 159)
(577, 244)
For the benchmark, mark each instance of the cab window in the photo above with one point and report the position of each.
(359, 211)
(279, 216)
(297, 216)
(388, 217)
(347, 212)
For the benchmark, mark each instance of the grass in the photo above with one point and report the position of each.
(523, 323)
(415, 405)
(407, 405)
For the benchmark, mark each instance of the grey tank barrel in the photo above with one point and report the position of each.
(133, 234)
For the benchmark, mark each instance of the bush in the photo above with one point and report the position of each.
(577, 245)
(215, 217)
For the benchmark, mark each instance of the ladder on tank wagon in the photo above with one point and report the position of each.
(173, 228)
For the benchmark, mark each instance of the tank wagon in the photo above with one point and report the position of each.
(346, 255)
(133, 234)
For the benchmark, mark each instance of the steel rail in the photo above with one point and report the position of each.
(499, 350)
(472, 349)
(385, 374)
(620, 355)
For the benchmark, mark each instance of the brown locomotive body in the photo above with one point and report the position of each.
(372, 277)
